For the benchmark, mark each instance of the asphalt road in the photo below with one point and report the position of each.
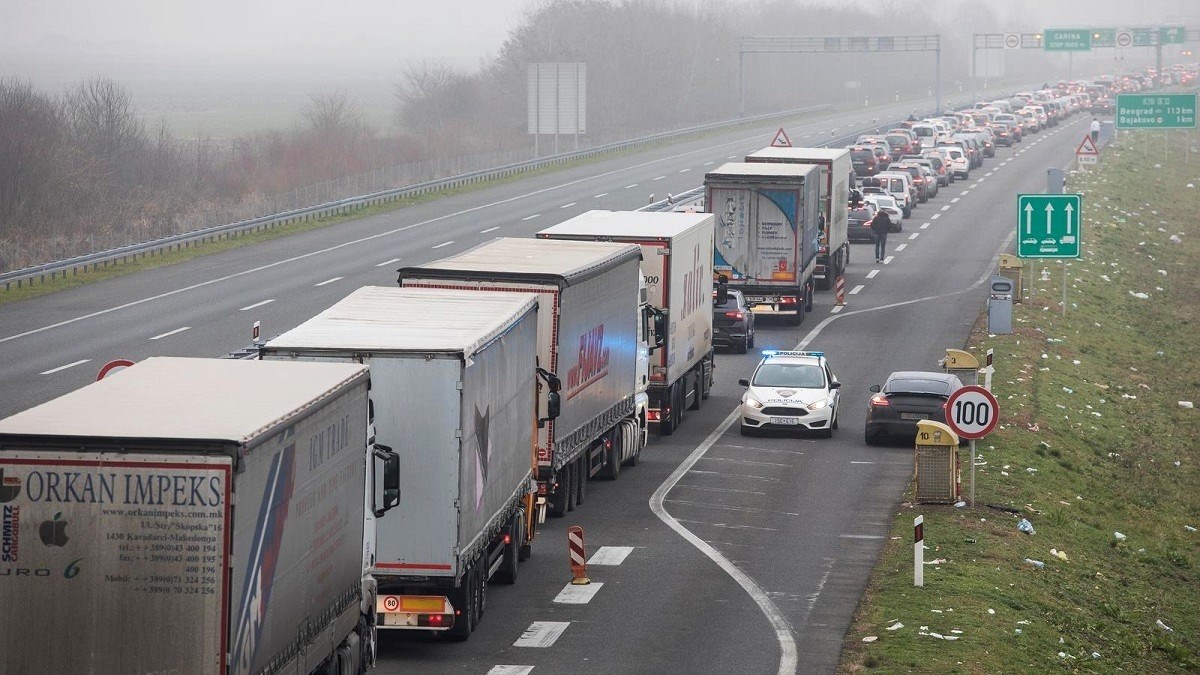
(743, 554)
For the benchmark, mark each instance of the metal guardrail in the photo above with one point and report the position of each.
(185, 240)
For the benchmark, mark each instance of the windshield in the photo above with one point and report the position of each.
(923, 131)
(799, 375)
(896, 141)
(895, 185)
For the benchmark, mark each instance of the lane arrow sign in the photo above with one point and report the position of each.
(1028, 219)
(1070, 210)
(1049, 218)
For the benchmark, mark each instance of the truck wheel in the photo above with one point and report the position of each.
(612, 458)
(481, 592)
(699, 393)
(507, 574)
(573, 489)
(666, 422)
(632, 435)
(581, 480)
(369, 642)
(808, 296)
(464, 598)
(559, 500)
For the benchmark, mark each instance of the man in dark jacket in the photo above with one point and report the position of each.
(880, 225)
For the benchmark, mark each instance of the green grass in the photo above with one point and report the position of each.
(1091, 402)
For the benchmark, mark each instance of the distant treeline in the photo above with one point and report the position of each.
(82, 170)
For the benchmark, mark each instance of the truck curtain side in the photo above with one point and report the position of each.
(128, 545)
(587, 334)
(677, 268)
(834, 253)
(454, 392)
(766, 233)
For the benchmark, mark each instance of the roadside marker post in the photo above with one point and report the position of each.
(578, 556)
(919, 551)
(988, 369)
(839, 285)
(256, 333)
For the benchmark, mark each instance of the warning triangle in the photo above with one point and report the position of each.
(1087, 147)
(781, 139)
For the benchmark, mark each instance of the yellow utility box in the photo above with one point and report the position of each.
(1012, 267)
(936, 460)
(960, 363)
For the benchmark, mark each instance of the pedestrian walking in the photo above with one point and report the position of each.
(1095, 130)
(880, 225)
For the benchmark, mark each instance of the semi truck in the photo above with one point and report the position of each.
(833, 252)
(454, 389)
(191, 516)
(766, 233)
(677, 269)
(591, 333)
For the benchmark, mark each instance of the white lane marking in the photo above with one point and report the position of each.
(857, 289)
(900, 247)
(385, 263)
(812, 597)
(872, 273)
(658, 178)
(490, 229)
(981, 180)
(531, 217)
(602, 194)
(744, 462)
(330, 281)
(955, 200)
(69, 365)
(444, 243)
(989, 173)
(627, 187)
(684, 170)
(836, 308)
(610, 555)
(709, 163)
(946, 207)
(914, 235)
(966, 192)
(888, 260)
(541, 633)
(924, 225)
(861, 536)
(510, 670)
(807, 136)
(578, 595)
(567, 206)
(732, 157)
(725, 474)
(935, 216)
(247, 308)
(859, 462)
(171, 332)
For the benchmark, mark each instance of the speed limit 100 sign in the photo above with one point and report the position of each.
(972, 411)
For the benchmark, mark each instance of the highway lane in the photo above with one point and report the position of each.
(803, 518)
(204, 307)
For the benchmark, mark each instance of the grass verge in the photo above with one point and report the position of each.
(1093, 441)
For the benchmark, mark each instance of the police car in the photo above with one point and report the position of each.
(791, 390)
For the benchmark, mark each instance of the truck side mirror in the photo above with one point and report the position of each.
(744, 382)
(660, 328)
(391, 478)
(553, 408)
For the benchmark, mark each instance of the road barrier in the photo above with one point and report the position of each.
(839, 286)
(578, 556)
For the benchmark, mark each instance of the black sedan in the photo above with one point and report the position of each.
(904, 399)
(733, 323)
(859, 228)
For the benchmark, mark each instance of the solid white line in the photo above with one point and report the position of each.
(330, 281)
(946, 207)
(924, 225)
(69, 365)
(914, 235)
(578, 595)
(542, 633)
(257, 304)
(388, 262)
(171, 332)
(567, 206)
(610, 555)
(872, 273)
(444, 243)
(510, 670)
(836, 308)
(935, 216)
(857, 289)
(955, 200)
(531, 217)
(732, 157)
(900, 247)
(602, 194)
(859, 462)
(490, 229)
(861, 536)
(888, 260)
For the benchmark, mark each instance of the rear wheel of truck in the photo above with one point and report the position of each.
(581, 480)
(464, 599)
(666, 418)
(631, 433)
(808, 296)
(572, 473)
(507, 574)
(698, 394)
(612, 457)
(368, 645)
(558, 500)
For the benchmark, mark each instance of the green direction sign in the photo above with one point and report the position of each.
(1172, 35)
(1067, 39)
(1104, 37)
(1048, 226)
(1161, 111)
(1143, 37)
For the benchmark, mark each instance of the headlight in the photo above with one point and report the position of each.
(753, 402)
(818, 405)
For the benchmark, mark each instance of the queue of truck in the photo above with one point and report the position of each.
(378, 465)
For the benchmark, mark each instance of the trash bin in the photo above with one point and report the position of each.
(936, 459)
(1000, 305)
(1011, 265)
(1108, 131)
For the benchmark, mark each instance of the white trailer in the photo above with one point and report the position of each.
(833, 255)
(677, 268)
(766, 238)
(588, 334)
(454, 394)
(125, 552)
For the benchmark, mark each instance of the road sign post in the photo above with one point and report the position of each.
(1049, 226)
(1159, 111)
(972, 412)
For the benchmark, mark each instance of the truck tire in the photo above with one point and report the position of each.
(571, 492)
(666, 423)
(507, 574)
(612, 458)
(631, 432)
(699, 392)
(808, 296)
(464, 599)
(581, 480)
(369, 645)
(558, 500)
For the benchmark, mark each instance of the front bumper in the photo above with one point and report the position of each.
(781, 417)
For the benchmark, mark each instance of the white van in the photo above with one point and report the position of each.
(926, 133)
(899, 185)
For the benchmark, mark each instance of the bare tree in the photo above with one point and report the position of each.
(103, 120)
(30, 134)
(420, 92)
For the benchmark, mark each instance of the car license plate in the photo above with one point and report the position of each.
(914, 416)
(790, 421)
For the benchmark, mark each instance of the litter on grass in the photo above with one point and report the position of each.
(1036, 563)
(1025, 526)
(1160, 624)
(895, 626)
(870, 638)
(1118, 536)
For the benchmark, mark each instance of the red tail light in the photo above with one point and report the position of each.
(787, 300)
(879, 400)
(735, 314)
(507, 538)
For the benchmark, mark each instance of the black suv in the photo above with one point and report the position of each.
(733, 323)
